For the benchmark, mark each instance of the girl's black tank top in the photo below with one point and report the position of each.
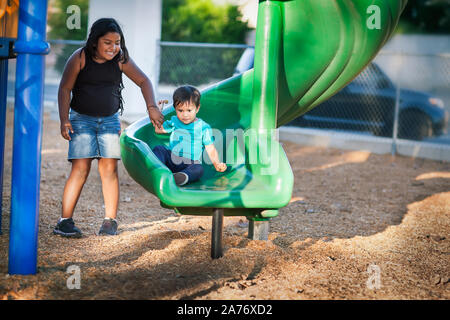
(97, 90)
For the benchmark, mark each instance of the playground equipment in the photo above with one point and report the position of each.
(9, 17)
(305, 52)
(27, 20)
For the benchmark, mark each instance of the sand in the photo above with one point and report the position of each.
(359, 226)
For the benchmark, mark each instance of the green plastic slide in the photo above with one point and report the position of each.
(306, 51)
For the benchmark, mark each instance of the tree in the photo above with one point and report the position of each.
(59, 29)
(57, 20)
(199, 21)
(202, 21)
(426, 16)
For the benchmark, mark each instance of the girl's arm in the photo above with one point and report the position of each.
(73, 66)
(133, 72)
(214, 156)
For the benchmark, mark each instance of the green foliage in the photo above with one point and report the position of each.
(202, 21)
(199, 21)
(426, 16)
(57, 18)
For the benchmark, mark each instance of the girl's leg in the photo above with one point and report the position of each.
(110, 185)
(74, 185)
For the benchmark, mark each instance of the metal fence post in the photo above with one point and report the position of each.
(157, 65)
(397, 108)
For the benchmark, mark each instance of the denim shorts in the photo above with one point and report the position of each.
(94, 137)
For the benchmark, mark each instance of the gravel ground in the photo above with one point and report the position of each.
(359, 226)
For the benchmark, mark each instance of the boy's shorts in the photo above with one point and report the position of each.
(94, 137)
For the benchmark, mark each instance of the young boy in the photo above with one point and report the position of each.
(188, 135)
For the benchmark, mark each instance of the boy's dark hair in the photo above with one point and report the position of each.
(99, 29)
(186, 94)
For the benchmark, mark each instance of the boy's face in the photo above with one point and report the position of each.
(187, 112)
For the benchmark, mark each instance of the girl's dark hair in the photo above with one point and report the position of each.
(99, 29)
(186, 94)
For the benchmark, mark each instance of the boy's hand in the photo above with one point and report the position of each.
(161, 104)
(66, 126)
(220, 167)
(162, 130)
(213, 155)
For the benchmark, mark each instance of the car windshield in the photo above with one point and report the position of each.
(372, 77)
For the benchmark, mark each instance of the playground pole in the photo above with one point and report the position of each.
(26, 162)
(3, 84)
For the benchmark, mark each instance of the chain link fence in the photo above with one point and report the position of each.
(198, 64)
(398, 96)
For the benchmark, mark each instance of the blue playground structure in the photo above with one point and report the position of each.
(22, 35)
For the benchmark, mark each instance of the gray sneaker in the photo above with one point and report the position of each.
(109, 227)
(181, 178)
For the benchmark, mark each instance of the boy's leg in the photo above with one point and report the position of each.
(74, 185)
(176, 164)
(193, 171)
(185, 170)
(173, 162)
(107, 168)
(162, 153)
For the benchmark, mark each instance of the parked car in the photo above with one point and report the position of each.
(368, 104)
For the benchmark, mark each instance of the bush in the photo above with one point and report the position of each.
(199, 21)
(426, 16)
(57, 18)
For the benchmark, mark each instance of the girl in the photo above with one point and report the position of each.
(93, 74)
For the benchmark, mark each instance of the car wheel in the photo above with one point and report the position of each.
(414, 125)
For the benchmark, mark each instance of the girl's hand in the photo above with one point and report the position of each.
(66, 126)
(156, 116)
(220, 167)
